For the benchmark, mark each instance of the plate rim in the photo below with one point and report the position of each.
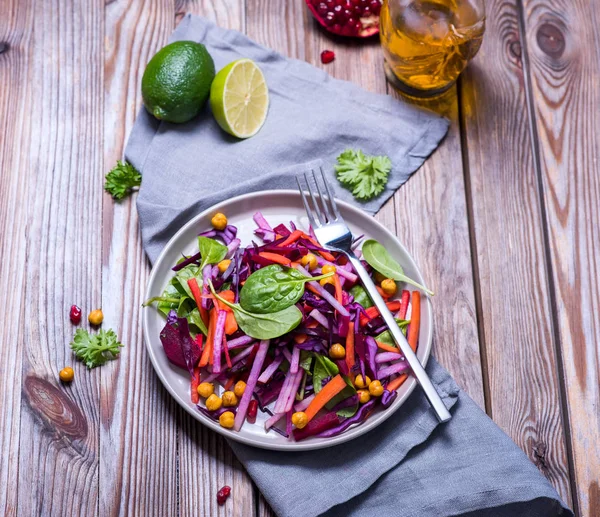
(292, 446)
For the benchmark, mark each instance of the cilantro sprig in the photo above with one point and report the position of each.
(95, 349)
(121, 181)
(365, 176)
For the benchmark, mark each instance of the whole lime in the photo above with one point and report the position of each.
(177, 80)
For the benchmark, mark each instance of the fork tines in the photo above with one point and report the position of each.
(321, 209)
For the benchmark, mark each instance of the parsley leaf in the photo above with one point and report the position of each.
(122, 179)
(365, 176)
(95, 349)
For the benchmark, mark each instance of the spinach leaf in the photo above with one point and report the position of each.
(324, 367)
(386, 337)
(188, 310)
(170, 298)
(185, 274)
(211, 251)
(273, 288)
(264, 326)
(379, 258)
(305, 360)
(361, 297)
(348, 391)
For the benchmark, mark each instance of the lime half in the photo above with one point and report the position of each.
(239, 98)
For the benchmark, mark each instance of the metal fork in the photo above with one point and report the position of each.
(333, 233)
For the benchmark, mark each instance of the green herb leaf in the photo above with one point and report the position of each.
(211, 251)
(305, 360)
(263, 326)
(379, 258)
(121, 181)
(95, 349)
(274, 288)
(324, 367)
(361, 297)
(365, 176)
(386, 336)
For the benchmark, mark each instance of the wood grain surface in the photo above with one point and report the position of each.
(503, 219)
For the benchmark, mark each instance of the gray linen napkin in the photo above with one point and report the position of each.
(409, 465)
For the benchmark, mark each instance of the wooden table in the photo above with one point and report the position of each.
(504, 219)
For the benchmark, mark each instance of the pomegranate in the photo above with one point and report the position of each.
(223, 494)
(358, 18)
(75, 315)
(327, 56)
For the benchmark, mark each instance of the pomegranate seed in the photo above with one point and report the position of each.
(338, 10)
(375, 6)
(366, 11)
(330, 4)
(339, 2)
(327, 56)
(355, 2)
(322, 8)
(252, 411)
(330, 18)
(358, 10)
(75, 315)
(337, 28)
(357, 27)
(223, 494)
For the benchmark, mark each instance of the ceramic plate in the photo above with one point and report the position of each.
(278, 206)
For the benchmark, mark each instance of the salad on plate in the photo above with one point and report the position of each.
(284, 327)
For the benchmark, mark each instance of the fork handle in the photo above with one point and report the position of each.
(423, 379)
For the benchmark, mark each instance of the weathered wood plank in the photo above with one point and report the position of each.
(138, 419)
(15, 166)
(516, 323)
(432, 220)
(564, 66)
(58, 456)
(206, 462)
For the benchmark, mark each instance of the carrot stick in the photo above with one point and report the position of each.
(397, 382)
(330, 390)
(229, 382)
(415, 320)
(387, 348)
(194, 385)
(373, 312)
(207, 352)
(338, 288)
(382, 293)
(274, 257)
(198, 299)
(325, 254)
(350, 359)
(231, 325)
(293, 237)
(227, 358)
(312, 289)
(404, 304)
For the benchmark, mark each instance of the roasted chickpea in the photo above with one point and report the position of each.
(239, 388)
(309, 261)
(96, 317)
(219, 221)
(206, 389)
(213, 402)
(337, 351)
(226, 419)
(229, 399)
(223, 265)
(363, 396)
(361, 383)
(388, 286)
(66, 374)
(328, 268)
(299, 419)
(375, 388)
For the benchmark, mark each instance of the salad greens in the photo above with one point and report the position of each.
(365, 176)
(263, 326)
(274, 288)
(211, 251)
(259, 320)
(379, 259)
(361, 297)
